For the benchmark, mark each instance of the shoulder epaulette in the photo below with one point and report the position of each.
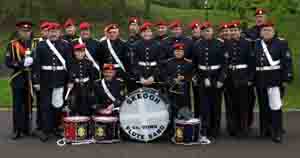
(76, 39)
(248, 39)
(188, 60)
(14, 40)
(170, 59)
(219, 39)
(281, 39)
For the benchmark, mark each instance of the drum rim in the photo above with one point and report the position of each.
(77, 119)
(184, 122)
(108, 119)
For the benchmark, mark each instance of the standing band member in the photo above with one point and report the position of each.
(162, 30)
(209, 58)
(239, 78)
(70, 30)
(178, 74)
(19, 60)
(50, 67)
(82, 75)
(147, 57)
(273, 61)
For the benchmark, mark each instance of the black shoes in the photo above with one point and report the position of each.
(17, 135)
(277, 139)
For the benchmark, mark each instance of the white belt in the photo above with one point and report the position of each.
(52, 68)
(241, 66)
(81, 80)
(267, 68)
(141, 63)
(212, 67)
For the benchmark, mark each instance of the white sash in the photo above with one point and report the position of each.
(57, 97)
(275, 102)
(113, 53)
(107, 92)
(267, 53)
(58, 55)
(88, 54)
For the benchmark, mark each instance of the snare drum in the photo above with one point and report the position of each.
(106, 129)
(187, 132)
(76, 128)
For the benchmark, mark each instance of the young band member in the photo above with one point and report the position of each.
(82, 75)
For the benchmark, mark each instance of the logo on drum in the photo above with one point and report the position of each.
(81, 132)
(100, 132)
(179, 134)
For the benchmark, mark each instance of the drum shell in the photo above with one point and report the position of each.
(78, 130)
(187, 132)
(106, 130)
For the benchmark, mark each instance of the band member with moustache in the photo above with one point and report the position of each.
(274, 69)
(210, 61)
(108, 92)
(162, 31)
(82, 75)
(134, 29)
(70, 30)
(114, 50)
(18, 58)
(240, 76)
(148, 56)
(91, 44)
(50, 68)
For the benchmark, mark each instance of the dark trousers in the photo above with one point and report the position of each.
(51, 116)
(237, 109)
(251, 102)
(38, 110)
(81, 101)
(196, 91)
(270, 120)
(210, 111)
(21, 109)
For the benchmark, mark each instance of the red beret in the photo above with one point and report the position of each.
(235, 24)
(24, 24)
(161, 23)
(110, 27)
(69, 22)
(224, 25)
(54, 26)
(84, 26)
(44, 25)
(79, 46)
(260, 11)
(146, 26)
(194, 24)
(175, 23)
(206, 25)
(267, 24)
(133, 20)
(108, 67)
(178, 46)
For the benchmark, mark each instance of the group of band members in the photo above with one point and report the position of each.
(241, 64)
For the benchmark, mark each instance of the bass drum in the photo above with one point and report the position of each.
(144, 115)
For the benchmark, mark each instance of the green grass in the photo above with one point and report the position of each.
(5, 98)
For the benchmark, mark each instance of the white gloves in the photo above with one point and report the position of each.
(28, 61)
(219, 84)
(207, 82)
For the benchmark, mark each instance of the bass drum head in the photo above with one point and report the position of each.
(144, 115)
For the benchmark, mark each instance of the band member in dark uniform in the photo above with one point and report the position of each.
(82, 75)
(240, 74)
(70, 30)
(18, 58)
(162, 30)
(91, 44)
(50, 67)
(274, 69)
(134, 36)
(108, 92)
(254, 34)
(113, 50)
(178, 74)
(147, 57)
(43, 36)
(209, 58)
